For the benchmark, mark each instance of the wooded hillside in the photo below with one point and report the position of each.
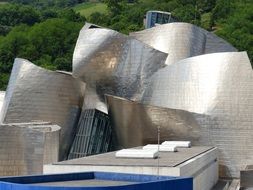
(45, 31)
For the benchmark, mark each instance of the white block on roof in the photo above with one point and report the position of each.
(179, 144)
(137, 153)
(162, 148)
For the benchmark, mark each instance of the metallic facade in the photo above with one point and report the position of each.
(215, 92)
(25, 147)
(183, 79)
(136, 124)
(202, 84)
(112, 63)
(182, 40)
(35, 94)
(198, 80)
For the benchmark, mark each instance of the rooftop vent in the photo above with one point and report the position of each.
(137, 153)
(178, 144)
(162, 148)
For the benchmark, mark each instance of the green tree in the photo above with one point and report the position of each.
(222, 9)
(11, 15)
(115, 6)
(46, 35)
(49, 44)
(238, 28)
(4, 78)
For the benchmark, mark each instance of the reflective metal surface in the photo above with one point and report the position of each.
(135, 124)
(182, 40)
(203, 84)
(25, 147)
(35, 94)
(215, 90)
(110, 62)
(210, 90)
(181, 88)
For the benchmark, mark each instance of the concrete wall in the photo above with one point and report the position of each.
(203, 168)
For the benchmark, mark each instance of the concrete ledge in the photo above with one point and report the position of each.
(201, 165)
(140, 182)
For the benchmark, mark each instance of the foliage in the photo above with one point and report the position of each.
(14, 14)
(4, 78)
(49, 43)
(238, 28)
(86, 9)
(41, 4)
(45, 31)
(43, 43)
(230, 19)
(11, 15)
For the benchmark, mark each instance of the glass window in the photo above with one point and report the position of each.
(153, 19)
(165, 18)
(159, 19)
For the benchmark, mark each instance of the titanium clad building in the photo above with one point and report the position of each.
(199, 85)
(113, 63)
(25, 147)
(182, 40)
(35, 94)
(214, 91)
(93, 134)
(137, 124)
(176, 76)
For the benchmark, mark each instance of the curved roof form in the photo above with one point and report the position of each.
(110, 62)
(182, 40)
(219, 85)
(223, 88)
(36, 94)
(202, 84)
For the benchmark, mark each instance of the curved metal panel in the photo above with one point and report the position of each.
(182, 40)
(35, 94)
(24, 148)
(202, 84)
(110, 62)
(135, 124)
(216, 90)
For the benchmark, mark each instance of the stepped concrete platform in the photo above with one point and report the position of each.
(197, 162)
